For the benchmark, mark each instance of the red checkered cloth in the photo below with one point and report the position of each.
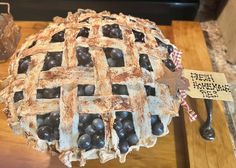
(176, 58)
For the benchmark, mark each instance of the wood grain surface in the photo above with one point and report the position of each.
(189, 38)
(169, 151)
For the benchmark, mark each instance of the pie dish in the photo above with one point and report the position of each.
(94, 85)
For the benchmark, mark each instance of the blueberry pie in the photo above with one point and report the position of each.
(93, 85)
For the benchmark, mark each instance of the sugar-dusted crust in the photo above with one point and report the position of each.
(69, 75)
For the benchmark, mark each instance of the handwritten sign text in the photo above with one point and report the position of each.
(208, 85)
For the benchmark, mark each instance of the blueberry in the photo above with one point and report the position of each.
(80, 91)
(132, 139)
(169, 64)
(121, 133)
(57, 94)
(57, 55)
(90, 64)
(39, 95)
(48, 93)
(52, 59)
(114, 57)
(128, 125)
(118, 119)
(55, 119)
(90, 130)
(111, 62)
(122, 114)
(58, 37)
(84, 141)
(150, 91)
(115, 88)
(120, 62)
(98, 141)
(144, 62)
(84, 118)
(47, 122)
(112, 31)
(18, 96)
(94, 116)
(116, 53)
(153, 119)
(124, 147)
(139, 36)
(40, 121)
(115, 33)
(83, 56)
(170, 48)
(158, 128)
(81, 126)
(144, 57)
(44, 133)
(89, 90)
(56, 134)
(84, 32)
(52, 63)
(118, 89)
(24, 64)
(117, 125)
(98, 124)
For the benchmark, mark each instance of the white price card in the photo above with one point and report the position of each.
(207, 85)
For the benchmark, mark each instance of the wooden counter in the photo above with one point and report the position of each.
(183, 147)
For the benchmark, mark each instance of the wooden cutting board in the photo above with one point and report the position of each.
(183, 147)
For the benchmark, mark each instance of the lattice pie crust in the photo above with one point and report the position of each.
(134, 38)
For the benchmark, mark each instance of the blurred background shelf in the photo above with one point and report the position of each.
(161, 11)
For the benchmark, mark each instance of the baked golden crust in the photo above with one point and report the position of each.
(69, 75)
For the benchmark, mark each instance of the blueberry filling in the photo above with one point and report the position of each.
(112, 31)
(157, 125)
(115, 57)
(150, 90)
(169, 64)
(160, 43)
(144, 62)
(58, 37)
(24, 64)
(84, 57)
(48, 126)
(108, 18)
(52, 59)
(91, 132)
(124, 128)
(84, 32)
(18, 96)
(118, 89)
(170, 48)
(33, 44)
(139, 36)
(48, 93)
(85, 90)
